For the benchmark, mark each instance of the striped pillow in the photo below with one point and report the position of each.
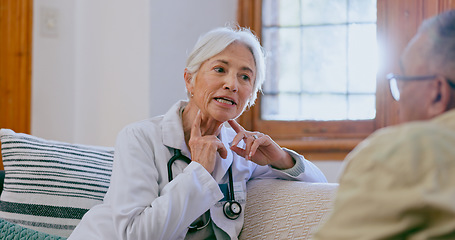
(49, 185)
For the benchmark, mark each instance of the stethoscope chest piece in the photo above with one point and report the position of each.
(232, 209)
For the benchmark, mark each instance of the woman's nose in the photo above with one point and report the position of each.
(231, 83)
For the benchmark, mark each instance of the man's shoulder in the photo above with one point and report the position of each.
(404, 144)
(413, 132)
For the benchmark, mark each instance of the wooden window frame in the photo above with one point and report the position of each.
(397, 23)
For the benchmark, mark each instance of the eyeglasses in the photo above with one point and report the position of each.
(394, 85)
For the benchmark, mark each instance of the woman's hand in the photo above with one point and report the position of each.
(260, 148)
(204, 148)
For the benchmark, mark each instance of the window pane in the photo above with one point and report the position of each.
(324, 59)
(317, 12)
(269, 12)
(361, 107)
(289, 13)
(281, 12)
(280, 107)
(289, 59)
(270, 86)
(363, 58)
(283, 60)
(323, 107)
(362, 11)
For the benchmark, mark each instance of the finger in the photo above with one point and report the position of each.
(240, 151)
(256, 143)
(196, 128)
(248, 143)
(236, 126)
(222, 150)
(238, 129)
(238, 138)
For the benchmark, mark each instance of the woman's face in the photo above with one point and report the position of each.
(224, 83)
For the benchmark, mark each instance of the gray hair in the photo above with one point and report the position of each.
(215, 41)
(441, 30)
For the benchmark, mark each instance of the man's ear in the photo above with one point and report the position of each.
(188, 80)
(440, 97)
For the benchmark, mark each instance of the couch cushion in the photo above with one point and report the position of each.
(279, 209)
(49, 185)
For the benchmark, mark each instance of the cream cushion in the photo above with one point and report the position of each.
(279, 209)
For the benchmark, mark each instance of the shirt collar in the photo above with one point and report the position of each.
(446, 118)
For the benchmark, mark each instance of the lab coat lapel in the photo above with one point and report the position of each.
(222, 165)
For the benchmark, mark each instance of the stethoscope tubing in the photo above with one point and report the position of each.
(230, 203)
(177, 156)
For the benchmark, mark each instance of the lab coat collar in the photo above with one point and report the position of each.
(172, 127)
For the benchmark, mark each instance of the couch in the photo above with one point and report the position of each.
(49, 185)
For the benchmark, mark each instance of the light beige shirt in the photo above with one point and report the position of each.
(398, 184)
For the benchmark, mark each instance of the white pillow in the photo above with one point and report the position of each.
(49, 185)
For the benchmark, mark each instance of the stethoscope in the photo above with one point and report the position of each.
(231, 208)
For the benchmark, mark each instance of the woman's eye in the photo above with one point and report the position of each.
(219, 69)
(246, 77)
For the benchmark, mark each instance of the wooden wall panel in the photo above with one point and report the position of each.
(398, 22)
(433, 7)
(15, 64)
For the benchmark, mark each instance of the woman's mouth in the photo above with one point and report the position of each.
(225, 101)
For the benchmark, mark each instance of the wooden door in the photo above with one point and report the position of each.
(15, 64)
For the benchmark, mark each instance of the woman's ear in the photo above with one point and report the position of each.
(440, 97)
(188, 80)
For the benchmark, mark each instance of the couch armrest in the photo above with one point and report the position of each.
(279, 209)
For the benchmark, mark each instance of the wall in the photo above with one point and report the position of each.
(331, 169)
(171, 43)
(53, 74)
(101, 64)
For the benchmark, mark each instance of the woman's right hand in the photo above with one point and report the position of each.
(204, 148)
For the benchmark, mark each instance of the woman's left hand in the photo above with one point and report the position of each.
(260, 148)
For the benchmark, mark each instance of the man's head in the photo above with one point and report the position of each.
(430, 53)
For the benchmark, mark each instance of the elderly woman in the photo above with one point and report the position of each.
(183, 175)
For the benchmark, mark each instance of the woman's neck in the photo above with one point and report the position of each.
(209, 126)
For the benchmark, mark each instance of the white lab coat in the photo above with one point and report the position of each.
(142, 204)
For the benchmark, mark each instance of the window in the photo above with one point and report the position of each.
(323, 61)
(290, 111)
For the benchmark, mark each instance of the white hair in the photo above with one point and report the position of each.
(215, 41)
